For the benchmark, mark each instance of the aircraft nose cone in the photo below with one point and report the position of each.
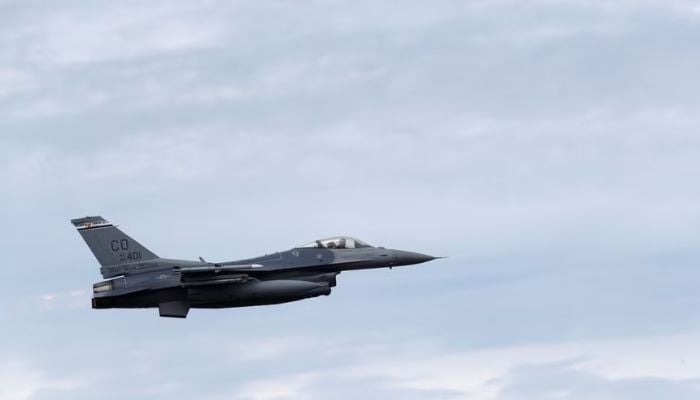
(408, 257)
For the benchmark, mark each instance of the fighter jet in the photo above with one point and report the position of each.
(137, 278)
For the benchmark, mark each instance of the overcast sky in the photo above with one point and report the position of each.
(549, 148)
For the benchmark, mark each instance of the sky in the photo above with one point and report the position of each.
(548, 148)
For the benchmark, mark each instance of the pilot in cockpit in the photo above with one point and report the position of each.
(337, 243)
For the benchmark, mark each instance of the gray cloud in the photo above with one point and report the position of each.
(563, 381)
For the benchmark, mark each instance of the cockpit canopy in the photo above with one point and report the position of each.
(341, 242)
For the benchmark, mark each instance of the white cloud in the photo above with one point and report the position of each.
(287, 387)
(21, 382)
(496, 181)
(15, 81)
(665, 363)
(111, 32)
(560, 381)
(375, 367)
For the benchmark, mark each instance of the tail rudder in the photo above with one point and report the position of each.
(110, 245)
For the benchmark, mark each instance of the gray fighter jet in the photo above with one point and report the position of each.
(139, 279)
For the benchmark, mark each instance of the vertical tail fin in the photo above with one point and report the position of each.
(110, 245)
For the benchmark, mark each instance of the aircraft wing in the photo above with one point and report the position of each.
(216, 268)
(218, 274)
(250, 269)
(215, 274)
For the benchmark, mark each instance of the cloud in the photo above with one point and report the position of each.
(241, 365)
(166, 57)
(564, 381)
(483, 172)
(336, 388)
(21, 382)
(70, 34)
(14, 81)
(618, 369)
